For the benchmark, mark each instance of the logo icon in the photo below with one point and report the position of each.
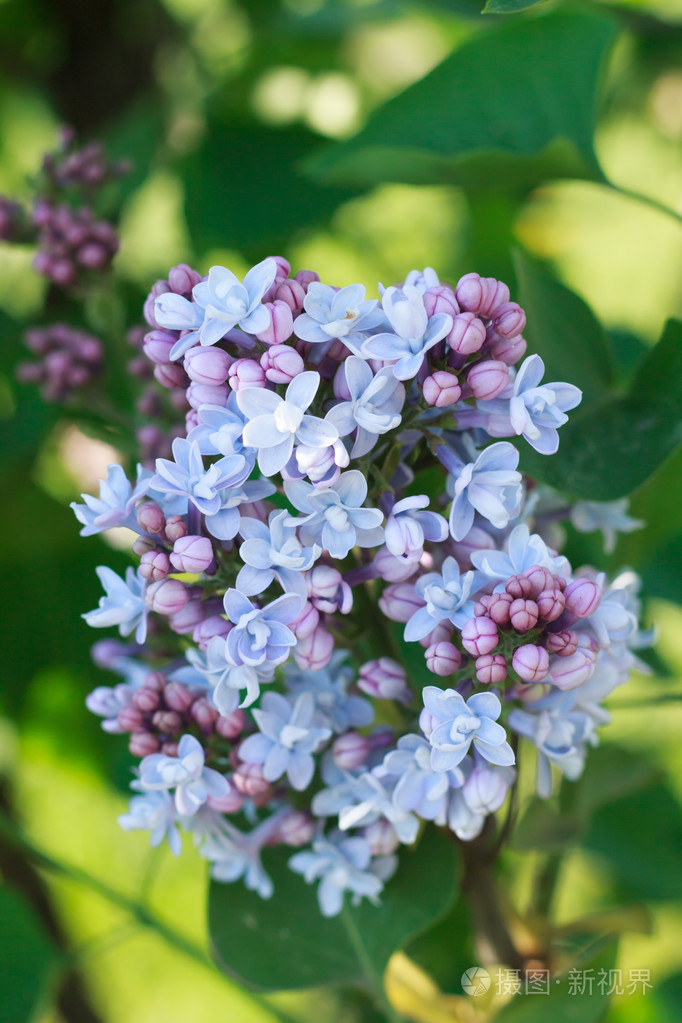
(475, 981)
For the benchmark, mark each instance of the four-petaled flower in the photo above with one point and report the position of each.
(115, 505)
(286, 740)
(335, 517)
(260, 635)
(448, 597)
(414, 332)
(187, 774)
(490, 486)
(122, 605)
(343, 864)
(343, 314)
(271, 551)
(374, 405)
(187, 477)
(452, 724)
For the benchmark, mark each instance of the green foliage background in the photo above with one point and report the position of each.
(361, 139)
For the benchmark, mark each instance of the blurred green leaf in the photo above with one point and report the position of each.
(26, 959)
(614, 448)
(661, 575)
(541, 827)
(563, 330)
(529, 120)
(508, 6)
(285, 942)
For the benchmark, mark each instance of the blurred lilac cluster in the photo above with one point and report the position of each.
(338, 500)
(68, 360)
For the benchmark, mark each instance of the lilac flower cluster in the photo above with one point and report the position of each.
(68, 360)
(290, 552)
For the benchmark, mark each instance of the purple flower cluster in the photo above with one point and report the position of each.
(68, 360)
(292, 525)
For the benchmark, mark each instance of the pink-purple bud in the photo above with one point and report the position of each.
(384, 679)
(482, 295)
(143, 545)
(296, 828)
(392, 569)
(185, 621)
(205, 714)
(443, 658)
(143, 744)
(209, 366)
(129, 719)
(571, 672)
(281, 364)
(491, 669)
(166, 597)
(306, 277)
(182, 278)
(523, 614)
(292, 293)
(440, 299)
(441, 389)
(170, 375)
(204, 394)
(157, 345)
(146, 699)
(154, 565)
(540, 579)
(305, 623)
(249, 780)
(169, 748)
(582, 597)
(350, 751)
(231, 802)
(530, 662)
(479, 636)
(518, 586)
(381, 838)
(177, 697)
(175, 528)
(563, 643)
(167, 721)
(551, 605)
(399, 602)
(488, 379)
(314, 651)
(499, 608)
(509, 319)
(207, 628)
(327, 590)
(281, 324)
(467, 334)
(509, 350)
(192, 554)
(231, 726)
(246, 373)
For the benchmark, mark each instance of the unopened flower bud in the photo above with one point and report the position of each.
(441, 389)
(479, 636)
(314, 651)
(295, 829)
(249, 780)
(154, 565)
(205, 714)
(209, 366)
(399, 602)
(170, 375)
(327, 590)
(306, 621)
(530, 662)
(231, 726)
(518, 586)
(443, 658)
(440, 299)
(582, 597)
(143, 744)
(551, 605)
(202, 394)
(488, 379)
(292, 293)
(166, 597)
(509, 319)
(150, 517)
(306, 277)
(350, 751)
(129, 719)
(175, 528)
(571, 672)
(281, 364)
(182, 278)
(185, 621)
(485, 790)
(207, 628)
(540, 579)
(523, 614)
(231, 802)
(146, 699)
(482, 295)
(384, 679)
(143, 545)
(467, 334)
(563, 643)
(167, 721)
(246, 373)
(509, 350)
(381, 838)
(177, 697)
(157, 346)
(281, 324)
(491, 669)
(169, 748)
(192, 554)
(392, 569)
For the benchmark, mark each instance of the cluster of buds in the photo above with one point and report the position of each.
(68, 360)
(70, 242)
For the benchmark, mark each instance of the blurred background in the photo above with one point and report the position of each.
(218, 104)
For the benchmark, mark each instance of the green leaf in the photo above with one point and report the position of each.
(285, 942)
(541, 827)
(613, 449)
(563, 330)
(508, 6)
(512, 106)
(26, 958)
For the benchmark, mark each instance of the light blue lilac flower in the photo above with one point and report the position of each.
(343, 865)
(523, 551)
(334, 517)
(409, 525)
(174, 312)
(534, 410)
(419, 788)
(226, 679)
(329, 686)
(414, 332)
(276, 423)
(343, 314)
(608, 516)
(274, 551)
(225, 523)
(321, 465)
(612, 623)
(448, 597)
(559, 733)
(187, 477)
(153, 812)
(490, 486)
(115, 505)
(424, 279)
(287, 738)
(187, 774)
(122, 605)
(236, 854)
(220, 429)
(452, 724)
(107, 701)
(260, 635)
(374, 406)
(362, 800)
(466, 823)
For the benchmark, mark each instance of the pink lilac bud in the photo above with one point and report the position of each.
(281, 324)
(443, 658)
(292, 293)
(249, 780)
(143, 744)
(441, 389)
(129, 719)
(488, 379)
(182, 278)
(518, 586)
(509, 350)
(392, 569)
(231, 802)
(208, 628)
(208, 366)
(281, 364)
(166, 597)
(563, 643)
(491, 669)
(441, 634)
(540, 579)
(170, 376)
(384, 679)
(177, 697)
(143, 545)
(328, 591)
(231, 726)
(399, 602)
(202, 394)
(482, 295)
(571, 672)
(341, 389)
(314, 651)
(175, 528)
(306, 277)
(350, 751)
(381, 838)
(155, 680)
(296, 828)
(582, 597)
(440, 299)
(146, 699)
(479, 636)
(476, 540)
(509, 319)
(523, 614)
(205, 714)
(530, 662)
(246, 373)
(169, 748)
(192, 554)
(167, 721)
(467, 334)
(185, 621)
(305, 622)
(157, 346)
(154, 565)
(551, 605)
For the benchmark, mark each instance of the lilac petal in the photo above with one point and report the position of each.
(485, 705)
(300, 770)
(257, 401)
(302, 389)
(272, 460)
(502, 755)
